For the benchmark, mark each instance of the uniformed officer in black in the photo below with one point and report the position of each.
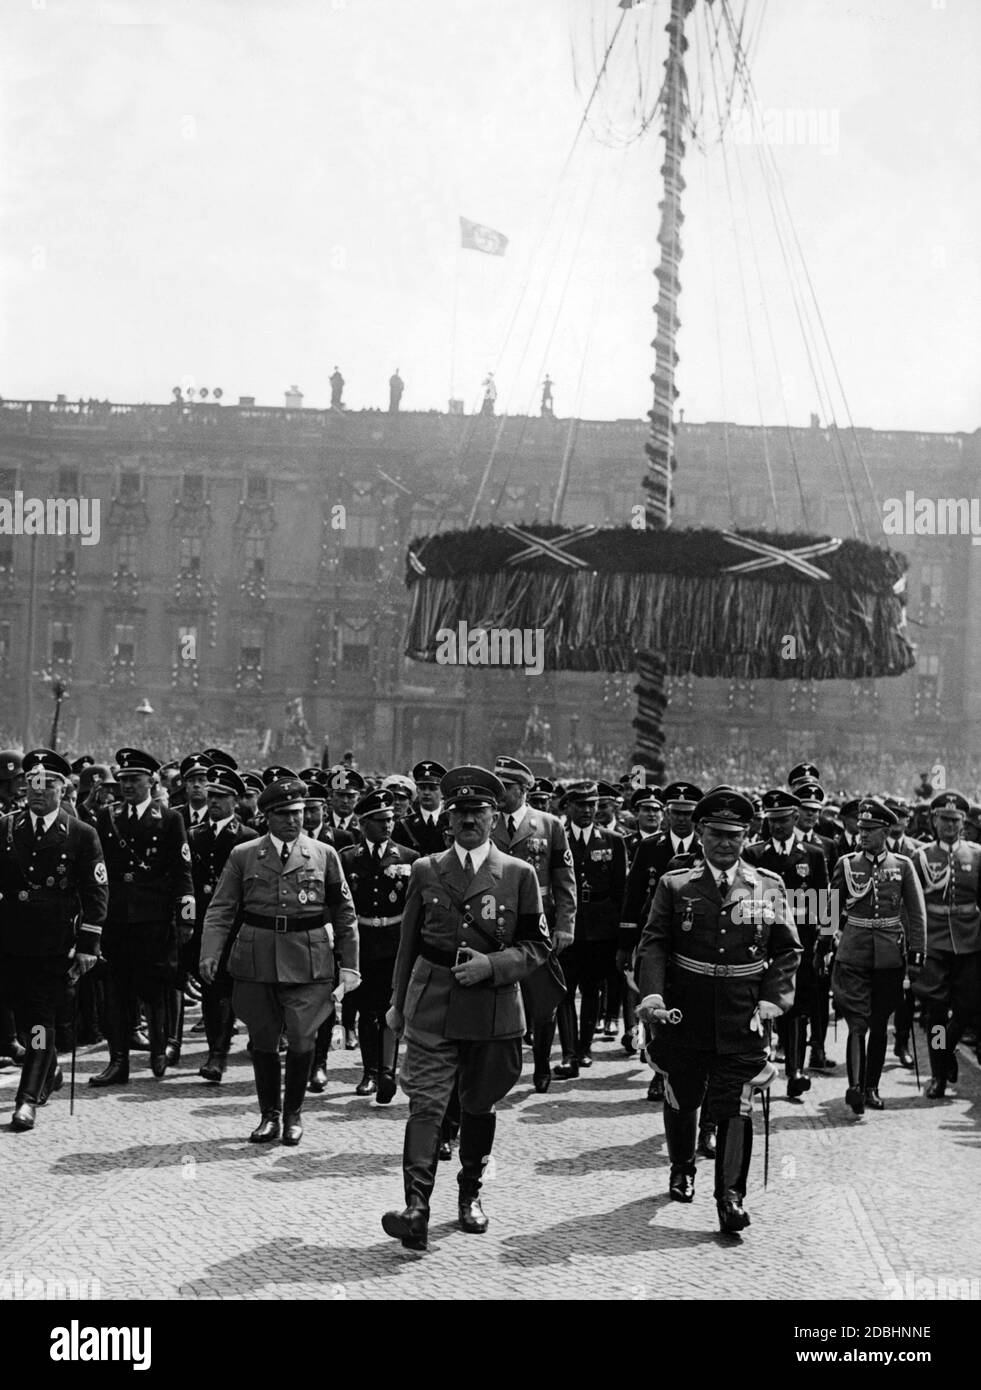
(403, 789)
(804, 872)
(540, 795)
(53, 895)
(151, 911)
(600, 865)
(716, 960)
(424, 822)
(11, 799)
(345, 787)
(377, 872)
(211, 843)
(194, 776)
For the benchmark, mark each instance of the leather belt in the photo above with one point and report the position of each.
(704, 967)
(872, 921)
(283, 923)
(436, 956)
(378, 921)
(958, 909)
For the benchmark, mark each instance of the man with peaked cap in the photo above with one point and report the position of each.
(292, 900)
(599, 861)
(848, 840)
(652, 858)
(97, 787)
(151, 911)
(878, 919)
(194, 775)
(812, 799)
(377, 871)
(211, 844)
(802, 869)
(647, 805)
(424, 822)
(540, 794)
(53, 898)
(403, 791)
(540, 840)
(716, 961)
(472, 929)
(315, 825)
(11, 781)
(608, 803)
(220, 757)
(898, 842)
(344, 786)
(897, 839)
(949, 985)
(247, 805)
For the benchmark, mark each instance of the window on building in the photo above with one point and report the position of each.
(359, 557)
(130, 484)
(127, 552)
(355, 651)
(6, 553)
(255, 555)
(60, 641)
(257, 487)
(932, 585)
(68, 485)
(189, 553)
(124, 642)
(192, 488)
(250, 651)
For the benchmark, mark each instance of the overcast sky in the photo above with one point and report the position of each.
(244, 193)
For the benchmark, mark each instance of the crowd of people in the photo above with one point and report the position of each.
(455, 917)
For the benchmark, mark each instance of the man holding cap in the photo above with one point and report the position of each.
(472, 929)
(950, 982)
(292, 899)
(151, 911)
(880, 938)
(378, 872)
(716, 961)
(540, 840)
(211, 844)
(53, 895)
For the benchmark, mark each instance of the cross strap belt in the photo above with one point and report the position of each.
(854, 921)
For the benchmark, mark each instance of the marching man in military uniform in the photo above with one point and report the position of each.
(540, 840)
(870, 889)
(378, 874)
(950, 982)
(150, 885)
(423, 823)
(803, 870)
(294, 904)
(716, 961)
(472, 929)
(600, 866)
(53, 895)
(211, 844)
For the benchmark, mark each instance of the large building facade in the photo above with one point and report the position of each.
(249, 557)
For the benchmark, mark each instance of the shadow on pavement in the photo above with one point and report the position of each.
(631, 1229)
(301, 1166)
(293, 1261)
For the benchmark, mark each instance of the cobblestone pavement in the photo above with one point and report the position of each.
(153, 1191)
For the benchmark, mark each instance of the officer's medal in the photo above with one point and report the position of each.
(688, 920)
(302, 896)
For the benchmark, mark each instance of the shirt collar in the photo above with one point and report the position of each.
(518, 815)
(477, 856)
(141, 809)
(678, 844)
(379, 849)
(580, 833)
(47, 821)
(341, 822)
(278, 844)
(717, 873)
(219, 825)
(197, 815)
(785, 846)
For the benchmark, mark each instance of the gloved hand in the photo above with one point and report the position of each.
(348, 982)
(768, 1010)
(208, 969)
(648, 1006)
(395, 1021)
(561, 940)
(81, 965)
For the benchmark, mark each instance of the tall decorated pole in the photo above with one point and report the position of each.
(651, 667)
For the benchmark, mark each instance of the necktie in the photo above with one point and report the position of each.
(511, 827)
(38, 828)
(284, 853)
(378, 854)
(468, 867)
(724, 886)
